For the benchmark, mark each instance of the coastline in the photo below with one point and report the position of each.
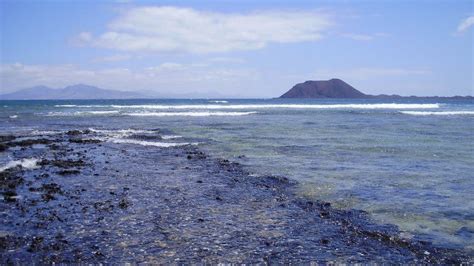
(90, 201)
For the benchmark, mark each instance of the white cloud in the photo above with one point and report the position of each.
(113, 58)
(358, 37)
(166, 77)
(82, 39)
(367, 73)
(364, 37)
(232, 60)
(175, 29)
(466, 24)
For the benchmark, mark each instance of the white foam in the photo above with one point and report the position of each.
(286, 106)
(150, 143)
(44, 132)
(171, 137)
(191, 114)
(13, 116)
(218, 101)
(25, 163)
(80, 106)
(65, 105)
(122, 133)
(420, 113)
(82, 113)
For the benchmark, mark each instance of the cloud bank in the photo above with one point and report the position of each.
(164, 78)
(186, 30)
(466, 24)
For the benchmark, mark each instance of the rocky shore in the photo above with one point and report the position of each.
(72, 197)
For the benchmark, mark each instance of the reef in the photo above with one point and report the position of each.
(88, 201)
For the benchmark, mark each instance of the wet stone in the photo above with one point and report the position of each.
(187, 209)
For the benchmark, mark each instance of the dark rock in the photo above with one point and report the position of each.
(124, 203)
(36, 244)
(9, 196)
(3, 147)
(84, 141)
(30, 142)
(73, 132)
(69, 172)
(5, 138)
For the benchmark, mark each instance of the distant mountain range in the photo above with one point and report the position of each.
(87, 92)
(79, 91)
(336, 88)
(333, 88)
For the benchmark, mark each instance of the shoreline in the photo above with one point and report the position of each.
(98, 202)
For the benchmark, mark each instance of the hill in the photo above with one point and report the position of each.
(336, 88)
(333, 88)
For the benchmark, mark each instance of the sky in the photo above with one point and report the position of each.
(239, 48)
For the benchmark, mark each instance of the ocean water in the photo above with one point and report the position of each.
(408, 162)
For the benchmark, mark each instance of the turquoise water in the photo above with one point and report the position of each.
(407, 162)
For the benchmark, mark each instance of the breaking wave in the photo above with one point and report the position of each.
(269, 106)
(191, 114)
(150, 143)
(81, 113)
(421, 113)
(24, 163)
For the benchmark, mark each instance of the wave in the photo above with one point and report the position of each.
(80, 106)
(44, 132)
(150, 143)
(82, 113)
(121, 133)
(420, 113)
(171, 137)
(13, 116)
(286, 106)
(24, 163)
(65, 105)
(268, 106)
(218, 101)
(192, 114)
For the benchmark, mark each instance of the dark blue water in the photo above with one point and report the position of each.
(407, 162)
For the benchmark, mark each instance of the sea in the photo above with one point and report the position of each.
(408, 162)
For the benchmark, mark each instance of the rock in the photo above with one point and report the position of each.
(9, 196)
(73, 132)
(3, 147)
(5, 138)
(84, 141)
(69, 172)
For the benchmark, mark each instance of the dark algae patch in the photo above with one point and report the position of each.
(114, 203)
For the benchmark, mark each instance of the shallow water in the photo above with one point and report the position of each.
(407, 162)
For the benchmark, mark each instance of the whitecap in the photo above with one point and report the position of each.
(150, 143)
(44, 132)
(128, 131)
(81, 113)
(160, 114)
(424, 113)
(171, 137)
(25, 163)
(13, 116)
(80, 106)
(217, 101)
(65, 105)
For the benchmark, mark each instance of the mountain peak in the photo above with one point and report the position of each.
(333, 88)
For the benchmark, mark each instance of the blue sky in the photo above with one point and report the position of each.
(239, 48)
